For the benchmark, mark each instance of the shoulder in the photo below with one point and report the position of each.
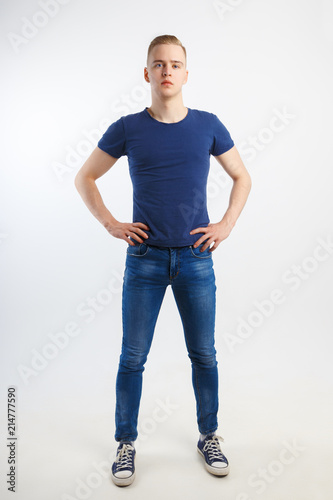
(204, 116)
(133, 117)
(131, 121)
(202, 113)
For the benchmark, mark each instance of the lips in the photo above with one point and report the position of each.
(166, 82)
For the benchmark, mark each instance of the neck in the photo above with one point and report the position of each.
(169, 111)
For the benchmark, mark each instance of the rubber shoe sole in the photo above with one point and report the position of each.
(123, 481)
(217, 471)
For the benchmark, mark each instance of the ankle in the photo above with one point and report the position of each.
(126, 441)
(203, 436)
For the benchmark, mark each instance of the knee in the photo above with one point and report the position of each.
(133, 361)
(204, 360)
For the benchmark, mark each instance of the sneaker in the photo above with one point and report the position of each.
(123, 470)
(215, 462)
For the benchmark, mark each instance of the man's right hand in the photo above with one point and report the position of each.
(98, 163)
(124, 230)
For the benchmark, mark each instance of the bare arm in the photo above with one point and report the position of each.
(234, 166)
(94, 167)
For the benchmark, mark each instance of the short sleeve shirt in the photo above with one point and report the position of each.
(168, 165)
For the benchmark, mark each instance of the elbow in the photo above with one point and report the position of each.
(83, 181)
(77, 181)
(249, 182)
(246, 179)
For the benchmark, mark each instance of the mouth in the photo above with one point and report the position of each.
(167, 83)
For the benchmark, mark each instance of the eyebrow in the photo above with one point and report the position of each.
(172, 60)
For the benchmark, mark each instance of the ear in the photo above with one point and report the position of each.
(145, 75)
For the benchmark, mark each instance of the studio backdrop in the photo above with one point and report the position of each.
(71, 68)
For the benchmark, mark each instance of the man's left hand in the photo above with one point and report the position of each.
(214, 232)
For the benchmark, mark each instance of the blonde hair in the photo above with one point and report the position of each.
(167, 40)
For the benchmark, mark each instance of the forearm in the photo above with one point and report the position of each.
(91, 196)
(238, 196)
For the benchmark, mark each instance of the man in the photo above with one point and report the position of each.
(169, 241)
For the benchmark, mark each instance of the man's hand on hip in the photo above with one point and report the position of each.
(124, 230)
(214, 232)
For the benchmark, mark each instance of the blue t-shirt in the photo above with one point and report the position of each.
(168, 166)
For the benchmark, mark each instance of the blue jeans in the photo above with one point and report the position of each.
(148, 271)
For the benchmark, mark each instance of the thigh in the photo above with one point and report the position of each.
(195, 295)
(142, 297)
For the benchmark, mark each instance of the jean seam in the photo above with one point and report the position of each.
(198, 256)
(138, 255)
(171, 278)
(199, 395)
(187, 264)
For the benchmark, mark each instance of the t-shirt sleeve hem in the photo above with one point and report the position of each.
(106, 150)
(224, 150)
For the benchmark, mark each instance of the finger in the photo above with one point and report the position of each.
(214, 247)
(198, 242)
(127, 239)
(141, 233)
(201, 240)
(207, 244)
(198, 230)
(138, 235)
(134, 236)
(141, 224)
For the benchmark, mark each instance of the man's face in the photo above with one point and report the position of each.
(166, 62)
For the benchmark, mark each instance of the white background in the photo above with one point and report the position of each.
(63, 83)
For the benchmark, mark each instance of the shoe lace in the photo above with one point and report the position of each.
(212, 446)
(124, 457)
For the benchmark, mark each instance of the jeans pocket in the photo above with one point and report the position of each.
(206, 254)
(138, 250)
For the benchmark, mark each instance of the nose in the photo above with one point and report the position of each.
(166, 71)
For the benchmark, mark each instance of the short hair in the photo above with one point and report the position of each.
(165, 40)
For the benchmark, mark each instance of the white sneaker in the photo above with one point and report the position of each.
(123, 469)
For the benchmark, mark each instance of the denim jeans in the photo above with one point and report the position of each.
(148, 271)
